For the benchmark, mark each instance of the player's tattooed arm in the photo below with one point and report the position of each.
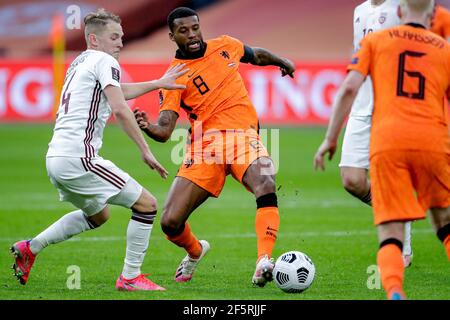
(161, 131)
(263, 57)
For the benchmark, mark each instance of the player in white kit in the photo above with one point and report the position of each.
(91, 93)
(370, 16)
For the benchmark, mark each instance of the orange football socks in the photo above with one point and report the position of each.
(267, 223)
(390, 263)
(188, 241)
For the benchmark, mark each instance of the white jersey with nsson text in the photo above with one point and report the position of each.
(367, 19)
(84, 109)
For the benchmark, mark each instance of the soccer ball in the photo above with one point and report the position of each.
(294, 272)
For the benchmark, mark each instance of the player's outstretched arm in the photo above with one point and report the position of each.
(341, 109)
(167, 81)
(263, 57)
(160, 132)
(125, 118)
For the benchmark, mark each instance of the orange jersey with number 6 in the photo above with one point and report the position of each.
(215, 93)
(410, 70)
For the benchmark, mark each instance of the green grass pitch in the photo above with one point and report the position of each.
(317, 217)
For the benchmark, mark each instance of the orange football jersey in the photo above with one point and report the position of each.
(410, 70)
(440, 23)
(215, 93)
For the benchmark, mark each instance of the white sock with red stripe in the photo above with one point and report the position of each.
(138, 235)
(69, 225)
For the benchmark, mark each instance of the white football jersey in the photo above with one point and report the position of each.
(84, 109)
(368, 19)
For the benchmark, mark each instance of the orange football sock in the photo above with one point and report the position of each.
(188, 241)
(390, 263)
(447, 246)
(267, 222)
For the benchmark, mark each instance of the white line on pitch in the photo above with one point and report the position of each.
(247, 235)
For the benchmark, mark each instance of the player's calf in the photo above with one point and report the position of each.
(138, 236)
(267, 223)
(390, 262)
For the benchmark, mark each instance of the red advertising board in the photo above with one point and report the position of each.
(26, 91)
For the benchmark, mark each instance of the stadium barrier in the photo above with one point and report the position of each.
(27, 94)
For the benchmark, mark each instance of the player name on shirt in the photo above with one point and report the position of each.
(413, 36)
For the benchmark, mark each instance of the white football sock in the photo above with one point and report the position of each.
(138, 236)
(407, 250)
(69, 225)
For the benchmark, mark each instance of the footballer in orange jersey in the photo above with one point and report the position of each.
(223, 138)
(440, 24)
(410, 145)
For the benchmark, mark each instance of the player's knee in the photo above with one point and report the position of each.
(152, 204)
(98, 219)
(391, 230)
(171, 228)
(265, 186)
(170, 225)
(354, 183)
(146, 204)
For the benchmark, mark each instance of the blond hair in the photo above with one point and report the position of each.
(96, 21)
(418, 6)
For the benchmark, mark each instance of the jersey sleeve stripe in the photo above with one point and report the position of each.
(94, 119)
(95, 101)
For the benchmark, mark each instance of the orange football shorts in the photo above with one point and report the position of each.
(216, 154)
(405, 184)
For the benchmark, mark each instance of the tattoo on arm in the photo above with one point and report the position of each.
(162, 131)
(263, 57)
